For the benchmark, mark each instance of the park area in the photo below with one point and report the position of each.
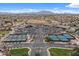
(19, 52)
(60, 52)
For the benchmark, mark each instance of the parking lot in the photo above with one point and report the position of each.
(39, 32)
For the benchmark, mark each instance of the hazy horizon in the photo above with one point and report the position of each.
(36, 7)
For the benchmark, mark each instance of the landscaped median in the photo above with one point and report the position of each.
(19, 52)
(60, 52)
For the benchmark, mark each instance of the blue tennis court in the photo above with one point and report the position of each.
(60, 37)
(67, 36)
(53, 37)
(15, 38)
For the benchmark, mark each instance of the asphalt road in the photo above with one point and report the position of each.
(39, 52)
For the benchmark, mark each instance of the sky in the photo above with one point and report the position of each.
(36, 7)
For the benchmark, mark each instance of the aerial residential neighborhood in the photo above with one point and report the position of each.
(44, 31)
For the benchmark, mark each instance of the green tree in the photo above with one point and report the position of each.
(47, 39)
(75, 52)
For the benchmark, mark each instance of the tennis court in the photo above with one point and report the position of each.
(60, 37)
(16, 38)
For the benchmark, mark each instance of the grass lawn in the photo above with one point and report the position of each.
(59, 52)
(19, 52)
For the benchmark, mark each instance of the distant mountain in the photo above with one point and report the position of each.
(44, 12)
(41, 12)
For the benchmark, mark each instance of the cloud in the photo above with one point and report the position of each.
(73, 5)
(20, 11)
(65, 11)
